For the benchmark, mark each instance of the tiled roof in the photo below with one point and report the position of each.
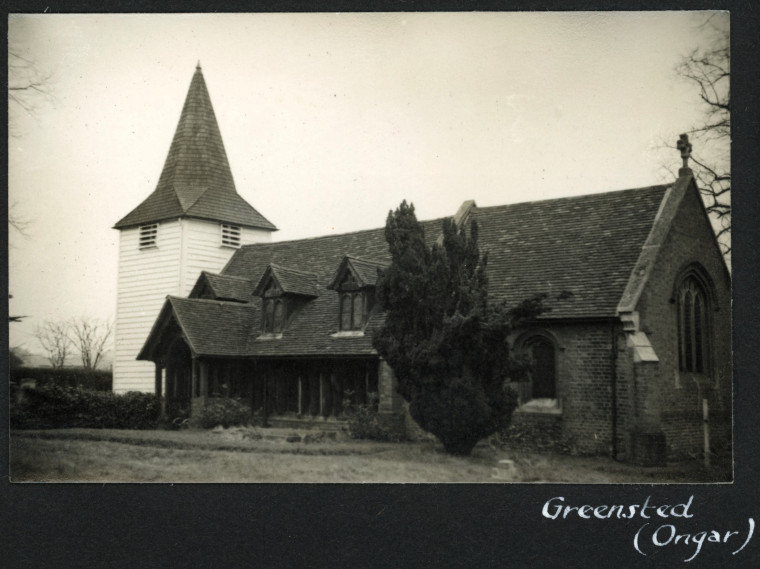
(214, 328)
(291, 281)
(585, 246)
(311, 331)
(224, 287)
(366, 271)
(196, 180)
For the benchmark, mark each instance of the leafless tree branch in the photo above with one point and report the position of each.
(27, 86)
(54, 338)
(709, 70)
(90, 336)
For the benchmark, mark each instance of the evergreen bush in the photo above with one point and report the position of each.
(443, 338)
(54, 407)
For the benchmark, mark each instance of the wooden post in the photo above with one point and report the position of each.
(265, 406)
(337, 395)
(204, 380)
(157, 379)
(194, 380)
(706, 430)
(322, 394)
(300, 395)
(365, 399)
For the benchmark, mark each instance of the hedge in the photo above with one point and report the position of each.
(97, 380)
(54, 406)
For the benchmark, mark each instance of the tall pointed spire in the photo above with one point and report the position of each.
(196, 180)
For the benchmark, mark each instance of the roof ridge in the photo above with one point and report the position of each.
(284, 268)
(227, 276)
(195, 201)
(208, 301)
(332, 235)
(363, 259)
(579, 196)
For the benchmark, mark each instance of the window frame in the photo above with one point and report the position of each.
(354, 307)
(528, 345)
(694, 330)
(274, 315)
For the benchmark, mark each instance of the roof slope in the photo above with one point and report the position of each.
(291, 281)
(311, 330)
(584, 245)
(196, 180)
(223, 287)
(214, 328)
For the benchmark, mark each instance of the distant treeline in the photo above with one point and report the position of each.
(95, 380)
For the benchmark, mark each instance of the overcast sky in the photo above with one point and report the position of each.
(329, 121)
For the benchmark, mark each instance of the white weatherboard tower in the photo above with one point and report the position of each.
(193, 221)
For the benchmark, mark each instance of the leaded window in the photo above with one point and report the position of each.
(693, 326)
(274, 315)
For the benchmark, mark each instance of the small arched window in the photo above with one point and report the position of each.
(544, 375)
(693, 323)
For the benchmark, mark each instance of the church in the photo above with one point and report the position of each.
(630, 362)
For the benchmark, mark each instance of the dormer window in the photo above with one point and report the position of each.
(148, 236)
(355, 305)
(283, 293)
(355, 282)
(273, 310)
(231, 235)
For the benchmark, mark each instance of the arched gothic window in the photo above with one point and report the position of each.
(693, 323)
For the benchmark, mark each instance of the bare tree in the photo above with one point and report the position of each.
(27, 85)
(54, 338)
(709, 70)
(90, 336)
(17, 222)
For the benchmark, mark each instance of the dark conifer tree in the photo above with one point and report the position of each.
(444, 340)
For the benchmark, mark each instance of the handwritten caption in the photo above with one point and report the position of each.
(656, 532)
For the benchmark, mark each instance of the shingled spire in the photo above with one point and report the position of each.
(196, 180)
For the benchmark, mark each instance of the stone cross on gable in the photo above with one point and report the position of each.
(685, 147)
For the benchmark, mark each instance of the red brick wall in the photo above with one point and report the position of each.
(584, 384)
(680, 394)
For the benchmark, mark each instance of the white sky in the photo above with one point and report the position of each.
(329, 121)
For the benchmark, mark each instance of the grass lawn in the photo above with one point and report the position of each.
(239, 455)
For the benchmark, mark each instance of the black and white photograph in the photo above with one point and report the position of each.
(481, 248)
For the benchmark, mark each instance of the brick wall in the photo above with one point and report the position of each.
(584, 383)
(680, 394)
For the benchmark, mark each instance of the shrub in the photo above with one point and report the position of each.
(95, 380)
(224, 411)
(54, 407)
(364, 422)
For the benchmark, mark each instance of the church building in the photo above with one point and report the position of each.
(633, 355)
